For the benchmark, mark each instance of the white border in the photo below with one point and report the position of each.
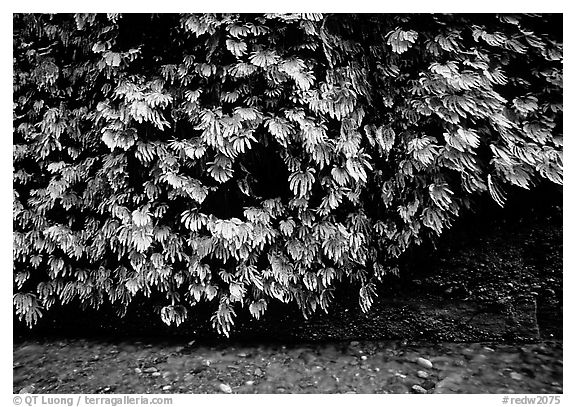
(365, 6)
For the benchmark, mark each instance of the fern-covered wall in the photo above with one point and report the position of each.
(242, 159)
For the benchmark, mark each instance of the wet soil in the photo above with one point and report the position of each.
(92, 366)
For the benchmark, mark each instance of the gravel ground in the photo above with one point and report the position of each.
(95, 366)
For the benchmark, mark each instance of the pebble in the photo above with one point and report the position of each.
(258, 372)
(418, 389)
(424, 363)
(27, 390)
(422, 374)
(156, 374)
(516, 376)
(198, 369)
(307, 357)
(224, 388)
(168, 375)
(363, 357)
(468, 352)
(138, 370)
(167, 387)
(249, 383)
(354, 343)
(149, 370)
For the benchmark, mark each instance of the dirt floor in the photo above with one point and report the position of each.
(90, 366)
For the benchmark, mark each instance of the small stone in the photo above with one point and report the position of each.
(156, 374)
(424, 363)
(242, 355)
(258, 372)
(138, 370)
(418, 389)
(354, 343)
(149, 370)
(198, 369)
(422, 374)
(167, 387)
(191, 343)
(363, 357)
(27, 390)
(307, 357)
(224, 388)
(249, 383)
(516, 376)
(169, 376)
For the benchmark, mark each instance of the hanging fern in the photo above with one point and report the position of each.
(245, 159)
